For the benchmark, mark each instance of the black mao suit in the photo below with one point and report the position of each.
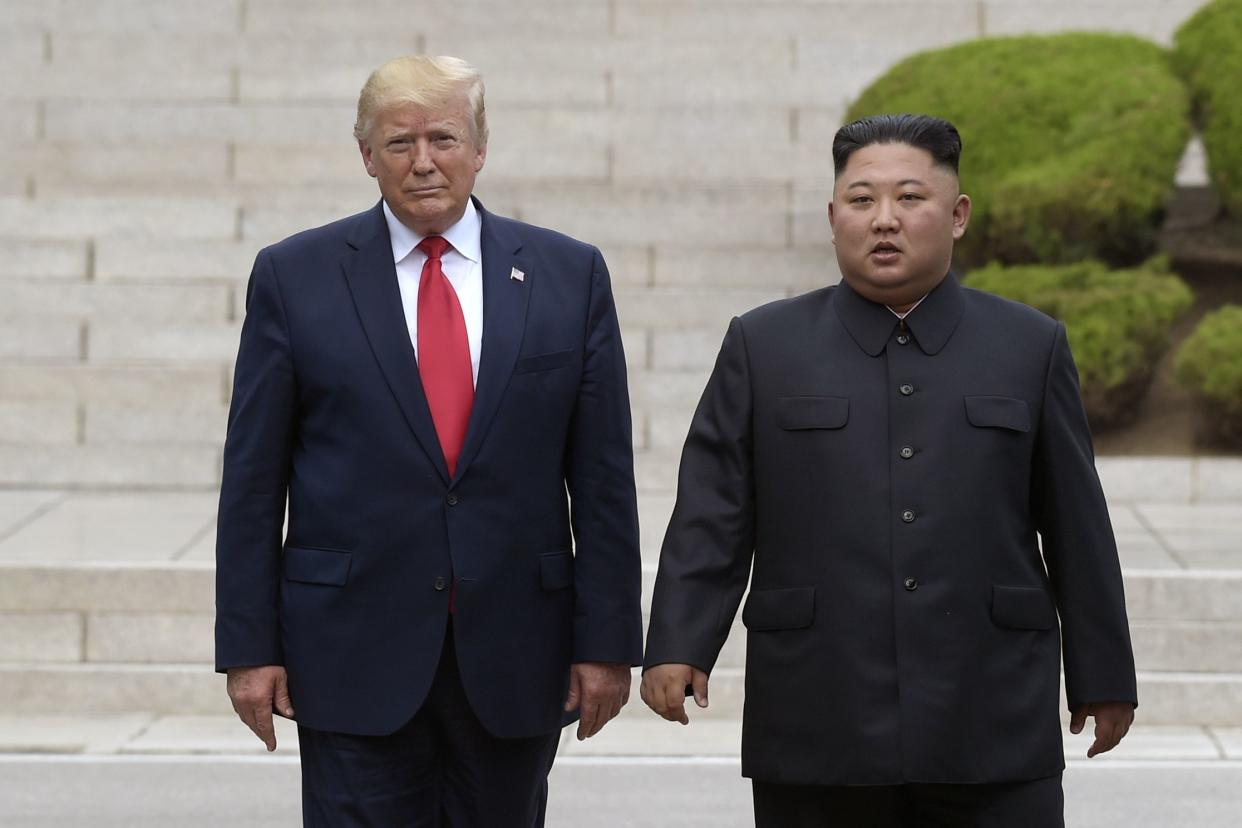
(888, 481)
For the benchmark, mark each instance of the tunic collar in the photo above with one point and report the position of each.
(932, 323)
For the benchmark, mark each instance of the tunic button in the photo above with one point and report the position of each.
(906, 390)
(452, 499)
(907, 516)
(907, 452)
(911, 584)
(903, 339)
(439, 584)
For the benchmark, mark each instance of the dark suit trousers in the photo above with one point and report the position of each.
(441, 770)
(1039, 803)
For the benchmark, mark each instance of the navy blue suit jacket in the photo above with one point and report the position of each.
(328, 412)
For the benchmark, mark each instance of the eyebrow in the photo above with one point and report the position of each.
(903, 183)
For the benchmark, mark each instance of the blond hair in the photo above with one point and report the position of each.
(426, 81)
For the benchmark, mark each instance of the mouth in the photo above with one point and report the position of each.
(885, 252)
(424, 190)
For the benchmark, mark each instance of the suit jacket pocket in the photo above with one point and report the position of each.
(556, 570)
(779, 609)
(544, 362)
(312, 565)
(1023, 608)
(998, 412)
(801, 413)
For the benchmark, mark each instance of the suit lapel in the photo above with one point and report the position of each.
(504, 322)
(372, 279)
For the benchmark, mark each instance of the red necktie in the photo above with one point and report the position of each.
(443, 353)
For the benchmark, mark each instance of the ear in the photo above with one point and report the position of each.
(961, 216)
(367, 160)
(480, 155)
(832, 218)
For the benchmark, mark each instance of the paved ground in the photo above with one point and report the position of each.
(198, 792)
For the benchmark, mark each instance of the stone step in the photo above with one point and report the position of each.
(145, 636)
(135, 613)
(1166, 698)
(85, 580)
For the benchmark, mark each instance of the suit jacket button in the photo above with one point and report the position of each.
(907, 452)
(906, 390)
(452, 498)
(903, 339)
(911, 584)
(440, 584)
(907, 516)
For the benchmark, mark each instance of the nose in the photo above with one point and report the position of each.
(885, 218)
(423, 165)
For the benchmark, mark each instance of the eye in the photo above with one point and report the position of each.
(398, 143)
(862, 199)
(911, 197)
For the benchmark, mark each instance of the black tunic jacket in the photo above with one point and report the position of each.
(891, 483)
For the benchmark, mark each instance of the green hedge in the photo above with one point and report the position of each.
(1208, 53)
(1209, 364)
(1071, 142)
(1117, 322)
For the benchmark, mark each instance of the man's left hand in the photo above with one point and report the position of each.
(599, 691)
(1112, 722)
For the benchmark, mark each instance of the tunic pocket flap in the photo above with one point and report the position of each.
(998, 412)
(543, 362)
(779, 609)
(556, 570)
(1023, 608)
(803, 413)
(312, 565)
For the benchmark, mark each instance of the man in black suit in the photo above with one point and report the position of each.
(440, 394)
(889, 453)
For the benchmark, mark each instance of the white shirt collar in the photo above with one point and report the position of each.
(463, 236)
(910, 311)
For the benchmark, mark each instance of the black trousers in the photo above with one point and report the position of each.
(1039, 803)
(441, 770)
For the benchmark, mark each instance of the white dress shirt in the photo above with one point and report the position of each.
(462, 264)
(906, 313)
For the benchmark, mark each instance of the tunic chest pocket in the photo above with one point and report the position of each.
(808, 413)
(998, 412)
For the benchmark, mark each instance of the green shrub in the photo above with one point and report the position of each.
(1209, 364)
(1117, 322)
(1208, 53)
(1071, 142)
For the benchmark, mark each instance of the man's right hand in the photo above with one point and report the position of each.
(255, 692)
(664, 689)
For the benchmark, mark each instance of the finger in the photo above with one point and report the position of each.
(1078, 718)
(1103, 741)
(699, 682)
(283, 703)
(575, 692)
(675, 701)
(263, 726)
(586, 724)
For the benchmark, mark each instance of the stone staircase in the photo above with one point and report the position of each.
(148, 150)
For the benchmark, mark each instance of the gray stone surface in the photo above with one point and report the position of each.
(197, 792)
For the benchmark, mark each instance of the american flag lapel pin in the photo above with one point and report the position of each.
(517, 275)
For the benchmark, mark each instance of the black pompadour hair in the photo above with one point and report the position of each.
(936, 135)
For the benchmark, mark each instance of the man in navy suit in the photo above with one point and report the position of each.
(440, 395)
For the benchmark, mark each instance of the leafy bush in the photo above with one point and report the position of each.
(1209, 364)
(1071, 142)
(1117, 322)
(1208, 53)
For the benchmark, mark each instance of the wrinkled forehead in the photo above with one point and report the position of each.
(893, 163)
(451, 113)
